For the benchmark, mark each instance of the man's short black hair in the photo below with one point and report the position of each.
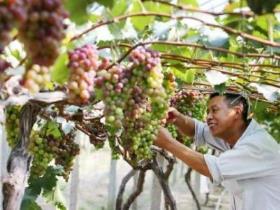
(234, 99)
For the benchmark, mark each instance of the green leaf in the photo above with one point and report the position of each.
(16, 54)
(60, 71)
(106, 3)
(53, 129)
(139, 22)
(220, 88)
(29, 204)
(78, 10)
(188, 2)
(45, 184)
(157, 7)
(120, 7)
(186, 76)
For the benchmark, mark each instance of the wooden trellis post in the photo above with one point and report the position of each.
(112, 188)
(156, 191)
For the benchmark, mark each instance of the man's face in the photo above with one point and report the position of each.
(220, 117)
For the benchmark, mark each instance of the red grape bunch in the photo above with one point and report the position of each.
(37, 78)
(43, 30)
(11, 12)
(147, 57)
(83, 66)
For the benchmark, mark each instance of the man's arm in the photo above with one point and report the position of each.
(192, 158)
(185, 124)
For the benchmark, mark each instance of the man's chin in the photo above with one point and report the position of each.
(214, 132)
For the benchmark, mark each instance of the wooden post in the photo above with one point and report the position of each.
(134, 204)
(75, 177)
(156, 191)
(112, 185)
(4, 148)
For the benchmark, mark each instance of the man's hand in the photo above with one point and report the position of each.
(185, 124)
(192, 158)
(164, 138)
(172, 115)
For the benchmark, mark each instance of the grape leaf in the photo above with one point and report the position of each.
(220, 88)
(45, 184)
(29, 203)
(60, 72)
(188, 2)
(186, 76)
(139, 22)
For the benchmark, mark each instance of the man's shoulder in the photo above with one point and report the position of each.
(258, 137)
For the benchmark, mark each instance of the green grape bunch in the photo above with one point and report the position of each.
(12, 124)
(49, 143)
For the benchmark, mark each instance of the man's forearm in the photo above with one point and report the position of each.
(193, 159)
(185, 124)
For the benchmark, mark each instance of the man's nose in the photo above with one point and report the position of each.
(209, 116)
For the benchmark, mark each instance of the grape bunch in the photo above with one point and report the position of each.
(37, 78)
(191, 103)
(43, 30)
(83, 65)
(50, 143)
(146, 57)
(12, 124)
(11, 12)
(135, 102)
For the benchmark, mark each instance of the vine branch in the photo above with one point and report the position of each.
(143, 14)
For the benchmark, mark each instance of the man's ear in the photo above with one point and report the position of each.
(239, 109)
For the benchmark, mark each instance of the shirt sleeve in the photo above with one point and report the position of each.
(199, 133)
(242, 163)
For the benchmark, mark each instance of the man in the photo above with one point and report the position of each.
(249, 166)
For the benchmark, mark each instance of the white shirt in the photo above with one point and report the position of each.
(250, 170)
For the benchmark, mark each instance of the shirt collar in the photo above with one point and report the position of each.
(251, 128)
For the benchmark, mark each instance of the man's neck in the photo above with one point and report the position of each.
(235, 133)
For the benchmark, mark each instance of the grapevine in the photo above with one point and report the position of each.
(83, 65)
(43, 30)
(12, 113)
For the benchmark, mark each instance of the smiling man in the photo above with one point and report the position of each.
(249, 165)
